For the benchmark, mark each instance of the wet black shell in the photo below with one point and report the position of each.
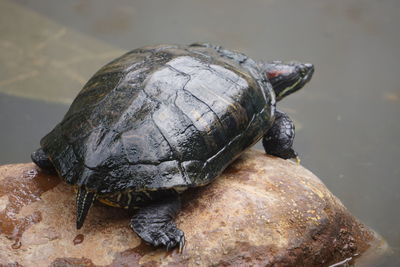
(160, 117)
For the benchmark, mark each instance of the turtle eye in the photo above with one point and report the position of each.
(301, 71)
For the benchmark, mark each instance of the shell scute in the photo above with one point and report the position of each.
(160, 117)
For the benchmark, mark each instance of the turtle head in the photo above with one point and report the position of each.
(287, 77)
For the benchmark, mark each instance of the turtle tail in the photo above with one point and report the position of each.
(84, 200)
(42, 160)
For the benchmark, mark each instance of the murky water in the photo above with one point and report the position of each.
(347, 118)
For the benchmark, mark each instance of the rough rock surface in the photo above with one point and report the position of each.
(261, 211)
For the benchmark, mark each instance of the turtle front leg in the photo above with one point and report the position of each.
(154, 224)
(279, 139)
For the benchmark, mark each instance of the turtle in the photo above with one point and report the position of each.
(161, 119)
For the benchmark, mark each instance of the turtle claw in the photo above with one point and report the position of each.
(181, 244)
(173, 237)
(160, 234)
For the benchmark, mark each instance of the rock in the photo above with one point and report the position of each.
(262, 211)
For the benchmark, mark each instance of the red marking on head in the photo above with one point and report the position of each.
(273, 74)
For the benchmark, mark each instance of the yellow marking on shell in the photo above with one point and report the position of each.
(180, 189)
(109, 203)
(129, 198)
(148, 189)
(201, 120)
(226, 101)
(245, 74)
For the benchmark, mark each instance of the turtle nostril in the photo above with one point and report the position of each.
(309, 66)
(308, 70)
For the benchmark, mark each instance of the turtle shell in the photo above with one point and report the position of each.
(160, 117)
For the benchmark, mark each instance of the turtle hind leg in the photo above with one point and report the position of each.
(154, 224)
(40, 159)
(278, 141)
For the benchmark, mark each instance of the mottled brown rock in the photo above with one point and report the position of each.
(261, 211)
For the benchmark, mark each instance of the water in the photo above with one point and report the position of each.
(347, 118)
(24, 122)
